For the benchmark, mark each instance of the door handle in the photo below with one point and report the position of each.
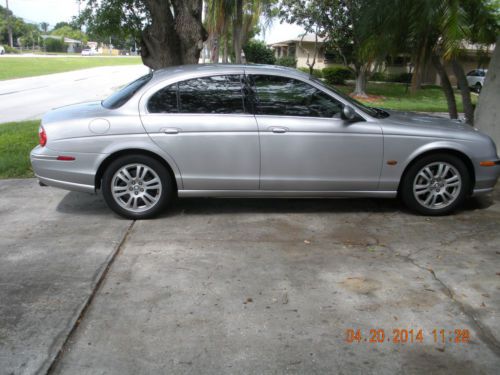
(279, 130)
(170, 130)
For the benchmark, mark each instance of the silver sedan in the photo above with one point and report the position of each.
(256, 131)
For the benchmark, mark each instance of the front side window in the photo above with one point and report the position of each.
(283, 96)
(216, 94)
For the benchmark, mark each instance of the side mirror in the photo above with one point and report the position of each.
(348, 114)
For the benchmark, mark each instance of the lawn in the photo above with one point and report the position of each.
(16, 141)
(394, 96)
(17, 67)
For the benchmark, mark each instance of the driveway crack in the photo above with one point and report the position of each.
(483, 332)
(97, 286)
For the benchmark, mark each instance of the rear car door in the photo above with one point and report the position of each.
(306, 146)
(205, 126)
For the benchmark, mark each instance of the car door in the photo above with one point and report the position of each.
(306, 146)
(204, 125)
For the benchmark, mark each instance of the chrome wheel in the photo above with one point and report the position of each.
(437, 185)
(136, 187)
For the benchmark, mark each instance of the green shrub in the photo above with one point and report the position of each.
(318, 73)
(379, 76)
(286, 61)
(54, 45)
(257, 52)
(336, 75)
(9, 49)
(402, 78)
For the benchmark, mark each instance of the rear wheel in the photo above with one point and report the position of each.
(435, 184)
(137, 187)
(478, 87)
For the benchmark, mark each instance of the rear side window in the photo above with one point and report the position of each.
(283, 96)
(123, 95)
(216, 94)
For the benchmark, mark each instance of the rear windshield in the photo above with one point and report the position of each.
(122, 96)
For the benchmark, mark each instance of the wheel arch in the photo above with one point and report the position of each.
(442, 150)
(137, 151)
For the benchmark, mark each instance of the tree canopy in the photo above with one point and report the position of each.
(170, 32)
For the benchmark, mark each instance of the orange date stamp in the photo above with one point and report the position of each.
(407, 336)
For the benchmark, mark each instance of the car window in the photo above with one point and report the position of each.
(472, 73)
(217, 94)
(164, 101)
(123, 95)
(283, 96)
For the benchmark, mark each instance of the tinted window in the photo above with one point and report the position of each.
(284, 96)
(122, 96)
(472, 73)
(164, 101)
(217, 94)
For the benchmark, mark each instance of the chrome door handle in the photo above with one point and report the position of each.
(279, 130)
(170, 130)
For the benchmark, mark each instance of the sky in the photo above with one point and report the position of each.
(54, 11)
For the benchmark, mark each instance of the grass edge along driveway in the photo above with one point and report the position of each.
(17, 139)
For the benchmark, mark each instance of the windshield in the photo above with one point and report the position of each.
(374, 112)
(122, 96)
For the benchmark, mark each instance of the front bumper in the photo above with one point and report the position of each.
(77, 175)
(486, 177)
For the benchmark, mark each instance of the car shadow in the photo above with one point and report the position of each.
(88, 204)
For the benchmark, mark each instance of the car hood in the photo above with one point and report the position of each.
(425, 125)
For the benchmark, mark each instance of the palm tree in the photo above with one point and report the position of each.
(435, 30)
(233, 20)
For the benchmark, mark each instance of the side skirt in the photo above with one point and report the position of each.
(285, 194)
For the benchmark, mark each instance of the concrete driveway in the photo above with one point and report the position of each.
(245, 286)
(29, 98)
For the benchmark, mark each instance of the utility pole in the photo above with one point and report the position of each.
(9, 26)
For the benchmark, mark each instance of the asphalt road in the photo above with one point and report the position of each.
(29, 98)
(245, 286)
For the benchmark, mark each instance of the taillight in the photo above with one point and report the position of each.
(42, 136)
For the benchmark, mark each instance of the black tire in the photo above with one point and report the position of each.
(478, 87)
(406, 187)
(165, 197)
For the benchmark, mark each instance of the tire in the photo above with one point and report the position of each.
(151, 192)
(435, 185)
(478, 87)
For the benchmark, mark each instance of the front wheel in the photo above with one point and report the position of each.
(137, 187)
(435, 184)
(478, 87)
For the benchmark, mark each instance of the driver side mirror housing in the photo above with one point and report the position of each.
(348, 114)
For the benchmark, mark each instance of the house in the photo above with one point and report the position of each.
(474, 56)
(300, 48)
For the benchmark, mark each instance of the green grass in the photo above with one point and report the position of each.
(16, 141)
(394, 96)
(18, 67)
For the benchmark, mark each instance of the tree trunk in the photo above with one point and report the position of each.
(360, 89)
(446, 86)
(238, 31)
(225, 51)
(464, 90)
(416, 79)
(173, 40)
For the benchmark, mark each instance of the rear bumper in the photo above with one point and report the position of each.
(77, 175)
(66, 185)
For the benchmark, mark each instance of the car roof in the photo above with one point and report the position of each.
(203, 69)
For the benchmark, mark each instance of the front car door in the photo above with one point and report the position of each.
(306, 146)
(205, 126)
